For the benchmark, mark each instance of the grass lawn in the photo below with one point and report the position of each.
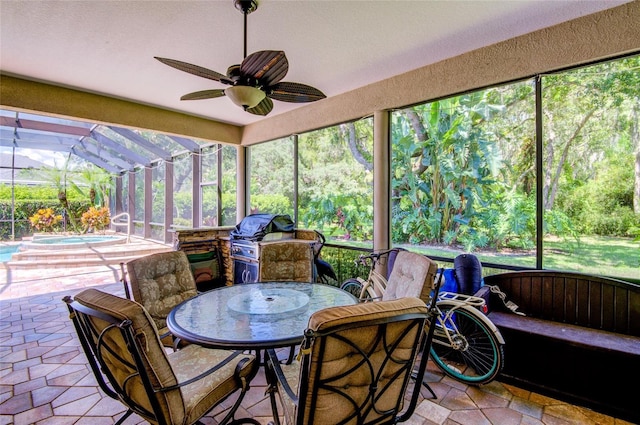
(597, 255)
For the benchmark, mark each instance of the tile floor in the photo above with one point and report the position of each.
(44, 378)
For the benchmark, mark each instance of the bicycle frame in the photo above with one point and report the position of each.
(466, 345)
(374, 287)
(456, 301)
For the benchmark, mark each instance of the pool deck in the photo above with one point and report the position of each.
(85, 256)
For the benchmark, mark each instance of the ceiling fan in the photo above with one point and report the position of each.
(255, 81)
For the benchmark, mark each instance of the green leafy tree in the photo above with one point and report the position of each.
(592, 146)
(444, 161)
(336, 180)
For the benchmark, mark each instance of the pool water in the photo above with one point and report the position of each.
(64, 240)
(51, 242)
(6, 251)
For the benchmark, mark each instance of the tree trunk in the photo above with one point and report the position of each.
(352, 140)
(635, 141)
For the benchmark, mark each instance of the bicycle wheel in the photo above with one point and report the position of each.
(352, 286)
(473, 355)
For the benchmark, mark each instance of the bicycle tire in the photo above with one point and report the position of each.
(352, 286)
(478, 356)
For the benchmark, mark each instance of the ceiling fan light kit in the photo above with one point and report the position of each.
(245, 96)
(255, 81)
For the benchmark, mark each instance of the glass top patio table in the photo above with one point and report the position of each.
(253, 315)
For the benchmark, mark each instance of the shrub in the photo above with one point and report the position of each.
(45, 219)
(96, 218)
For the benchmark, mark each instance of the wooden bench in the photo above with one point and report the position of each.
(579, 340)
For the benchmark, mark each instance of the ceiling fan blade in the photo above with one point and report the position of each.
(294, 92)
(193, 69)
(266, 66)
(262, 108)
(203, 94)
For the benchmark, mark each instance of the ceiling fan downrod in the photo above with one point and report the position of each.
(246, 7)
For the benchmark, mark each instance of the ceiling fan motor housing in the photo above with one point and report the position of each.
(246, 6)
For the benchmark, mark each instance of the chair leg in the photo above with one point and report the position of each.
(124, 417)
(125, 283)
(292, 353)
(433, 395)
(272, 390)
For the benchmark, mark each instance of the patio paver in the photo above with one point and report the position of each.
(44, 377)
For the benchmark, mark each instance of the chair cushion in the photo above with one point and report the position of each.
(200, 395)
(157, 365)
(336, 316)
(287, 260)
(205, 267)
(412, 276)
(339, 363)
(160, 282)
(184, 405)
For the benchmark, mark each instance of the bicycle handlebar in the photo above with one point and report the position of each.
(374, 257)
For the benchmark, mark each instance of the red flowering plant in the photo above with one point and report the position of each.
(45, 219)
(96, 218)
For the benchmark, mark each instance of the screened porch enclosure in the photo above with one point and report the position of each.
(151, 174)
(528, 166)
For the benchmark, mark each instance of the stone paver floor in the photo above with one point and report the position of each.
(44, 377)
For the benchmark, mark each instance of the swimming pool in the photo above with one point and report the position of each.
(7, 251)
(72, 241)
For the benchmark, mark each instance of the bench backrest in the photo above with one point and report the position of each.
(583, 300)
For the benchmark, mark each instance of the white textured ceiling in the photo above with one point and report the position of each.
(107, 47)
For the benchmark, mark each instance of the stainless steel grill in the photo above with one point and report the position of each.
(246, 253)
(245, 249)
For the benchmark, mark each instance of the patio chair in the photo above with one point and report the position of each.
(130, 364)
(412, 275)
(288, 260)
(355, 366)
(160, 282)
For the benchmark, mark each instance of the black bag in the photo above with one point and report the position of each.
(468, 273)
(255, 226)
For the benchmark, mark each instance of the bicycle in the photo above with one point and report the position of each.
(466, 346)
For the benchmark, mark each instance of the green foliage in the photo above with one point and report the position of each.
(183, 208)
(27, 208)
(603, 205)
(464, 168)
(273, 204)
(92, 183)
(343, 261)
(24, 192)
(443, 163)
(557, 223)
(340, 217)
(619, 222)
(228, 208)
(335, 180)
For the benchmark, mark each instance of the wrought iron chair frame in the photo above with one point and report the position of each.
(86, 332)
(275, 374)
